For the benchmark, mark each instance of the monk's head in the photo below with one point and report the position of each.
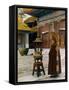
(54, 41)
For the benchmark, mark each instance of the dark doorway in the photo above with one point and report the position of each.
(32, 37)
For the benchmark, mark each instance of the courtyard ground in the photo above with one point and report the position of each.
(25, 66)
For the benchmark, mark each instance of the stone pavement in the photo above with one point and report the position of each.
(25, 66)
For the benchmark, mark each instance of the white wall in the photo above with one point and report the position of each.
(4, 44)
(27, 40)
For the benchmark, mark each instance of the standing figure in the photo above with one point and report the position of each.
(54, 65)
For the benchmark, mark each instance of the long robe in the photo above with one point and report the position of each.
(54, 66)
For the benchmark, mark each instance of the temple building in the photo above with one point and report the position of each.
(41, 21)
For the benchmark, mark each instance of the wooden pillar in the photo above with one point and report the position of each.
(56, 28)
(51, 29)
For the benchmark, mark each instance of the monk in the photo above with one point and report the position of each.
(54, 65)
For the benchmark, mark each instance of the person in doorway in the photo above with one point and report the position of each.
(54, 65)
